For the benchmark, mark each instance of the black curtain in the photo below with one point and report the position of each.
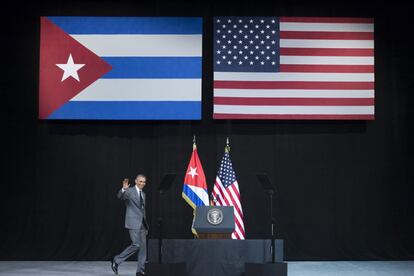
(344, 188)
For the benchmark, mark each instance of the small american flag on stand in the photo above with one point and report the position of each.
(294, 68)
(226, 193)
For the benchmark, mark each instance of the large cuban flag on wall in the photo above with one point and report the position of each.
(120, 68)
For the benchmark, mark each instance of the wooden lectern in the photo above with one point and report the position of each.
(214, 222)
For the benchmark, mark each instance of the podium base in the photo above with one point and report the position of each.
(267, 269)
(214, 236)
(173, 269)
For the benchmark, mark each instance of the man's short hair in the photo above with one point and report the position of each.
(141, 176)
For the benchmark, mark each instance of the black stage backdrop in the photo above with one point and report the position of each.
(344, 188)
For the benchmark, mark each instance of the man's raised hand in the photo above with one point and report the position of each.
(125, 184)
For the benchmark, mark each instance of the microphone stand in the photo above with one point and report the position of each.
(273, 268)
(270, 189)
(273, 247)
(160, 235)
(161, 268)
(164, 186)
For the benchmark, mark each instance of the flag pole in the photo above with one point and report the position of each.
(227, 148)
(192, 225)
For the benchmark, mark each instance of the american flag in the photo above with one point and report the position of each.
(226, 193)
(293, 68)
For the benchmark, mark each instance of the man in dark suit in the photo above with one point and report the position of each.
(135, 222)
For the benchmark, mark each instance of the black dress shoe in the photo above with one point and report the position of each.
(114, 266)
(142, 273)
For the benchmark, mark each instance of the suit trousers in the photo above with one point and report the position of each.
(139, 243)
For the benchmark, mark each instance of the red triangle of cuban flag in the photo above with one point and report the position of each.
(66, 68)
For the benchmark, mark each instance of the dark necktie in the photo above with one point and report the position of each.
(141, 200)
(144, 221)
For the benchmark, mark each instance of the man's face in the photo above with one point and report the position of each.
(140, 182)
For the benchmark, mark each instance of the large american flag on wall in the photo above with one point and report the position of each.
(293, 68)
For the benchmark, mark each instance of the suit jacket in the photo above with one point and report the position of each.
(134, 216)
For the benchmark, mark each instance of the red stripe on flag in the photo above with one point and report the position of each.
(234, 188)
(291, 85)
(223, 196)
(340, 52)
(230, 200)
(238, 224)
(326, 19)
(219, 197)
(235, 205)
(327, 35)
(294, 101)
(293, 116)
(239, 227)
(236, 235)
(308, 68)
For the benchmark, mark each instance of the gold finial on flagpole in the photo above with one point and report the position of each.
(227, 148)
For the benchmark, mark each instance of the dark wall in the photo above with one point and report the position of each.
(344, 188)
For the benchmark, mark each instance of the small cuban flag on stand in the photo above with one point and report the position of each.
(120, 68)
(195, 184)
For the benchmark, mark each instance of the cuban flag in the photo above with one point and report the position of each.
(195, 184)
(120, 68)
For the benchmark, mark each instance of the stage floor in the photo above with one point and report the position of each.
(371, 268)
